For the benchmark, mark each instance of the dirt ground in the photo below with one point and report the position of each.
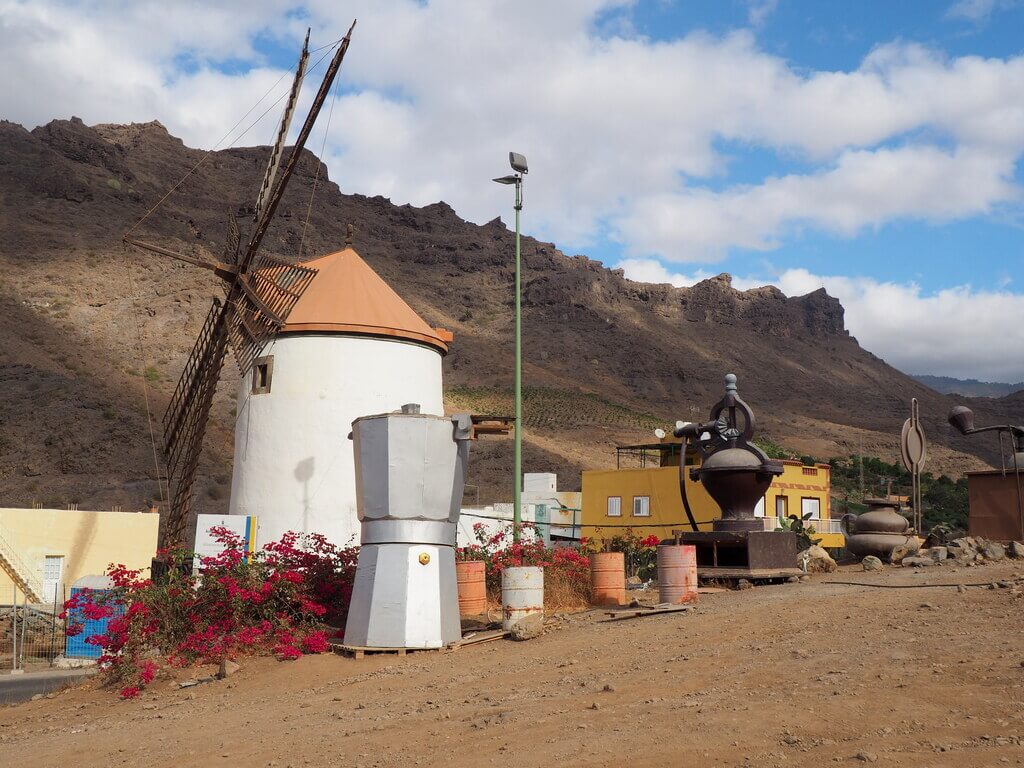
(802, 674)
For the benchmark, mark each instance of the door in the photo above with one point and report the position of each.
(53, 567)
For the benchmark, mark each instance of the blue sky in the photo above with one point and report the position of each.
(871, 148)
(836, 35)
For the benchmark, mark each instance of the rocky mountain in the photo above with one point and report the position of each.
(96, 334)
(947, 385)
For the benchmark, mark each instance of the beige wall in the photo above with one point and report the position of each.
(88, 541)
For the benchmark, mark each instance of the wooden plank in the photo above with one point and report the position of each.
(624, 615)
(482, 637)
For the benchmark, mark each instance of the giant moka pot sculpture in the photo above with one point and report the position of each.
(410, 476)
(736, 474)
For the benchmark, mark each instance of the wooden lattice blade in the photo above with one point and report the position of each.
(274, 285)
(198, 378)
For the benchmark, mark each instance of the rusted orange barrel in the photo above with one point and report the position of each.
(608, 577)
(472, 587)
(677, 573)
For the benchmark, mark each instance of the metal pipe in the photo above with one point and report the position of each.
(517, 513)
(14, 628)
(24, 621)
(53, 623)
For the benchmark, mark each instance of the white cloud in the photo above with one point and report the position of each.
(863, 189)
(958, 331)
(628, 138)
(978, 11)
(760, 10)
(621, 131)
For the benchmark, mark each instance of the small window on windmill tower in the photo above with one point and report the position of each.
(262, 373)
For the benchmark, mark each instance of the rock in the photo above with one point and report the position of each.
(993, 550)
(608, 688)
(903, 551)
(867, 757)
(528, 627)
(871, 563)
(63, 662)
(595, 705)
(918, 562)
(227, 668)
(743, 584)
(793, 580)
(37, 697)
(966, 542)
(961, 588)
(938, 554)
(817, 559)
(1015, 550)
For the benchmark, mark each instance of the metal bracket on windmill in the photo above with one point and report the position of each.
(261, 291)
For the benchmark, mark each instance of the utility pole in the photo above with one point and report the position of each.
(518, 163)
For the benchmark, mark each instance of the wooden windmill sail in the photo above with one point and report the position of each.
(260, 291)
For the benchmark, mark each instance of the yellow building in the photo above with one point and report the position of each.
(44, 551)
(647, 497)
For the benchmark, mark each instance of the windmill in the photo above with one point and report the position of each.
(260, 292)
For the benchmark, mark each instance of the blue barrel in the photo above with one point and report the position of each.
(76, 647)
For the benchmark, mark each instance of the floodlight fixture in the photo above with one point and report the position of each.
(506, 179)
(518, 162)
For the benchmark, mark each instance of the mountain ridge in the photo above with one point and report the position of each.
(114, 321)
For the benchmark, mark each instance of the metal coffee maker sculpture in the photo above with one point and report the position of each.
(734, 471)
(410, 476)
(736, 474)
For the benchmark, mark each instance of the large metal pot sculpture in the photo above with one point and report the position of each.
(877, 532)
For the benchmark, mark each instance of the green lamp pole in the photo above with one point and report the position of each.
(518, 163)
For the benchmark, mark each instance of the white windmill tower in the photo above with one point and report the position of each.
(350, 347)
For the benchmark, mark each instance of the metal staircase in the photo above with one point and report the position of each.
(22, 576)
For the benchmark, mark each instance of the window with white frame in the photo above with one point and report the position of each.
(641, 506)
(614, 506)
(812, 507)
(781, 507)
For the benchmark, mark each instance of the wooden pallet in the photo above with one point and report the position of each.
(359, 651)
(474, 638)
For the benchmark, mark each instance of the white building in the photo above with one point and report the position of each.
(556, 513)
(351, 347)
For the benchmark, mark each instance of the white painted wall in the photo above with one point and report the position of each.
(294, 467)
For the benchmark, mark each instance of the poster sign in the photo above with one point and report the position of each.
(244, 526)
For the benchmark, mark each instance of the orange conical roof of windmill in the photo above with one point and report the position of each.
(348, 297)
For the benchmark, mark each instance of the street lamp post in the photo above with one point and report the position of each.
(518, 163)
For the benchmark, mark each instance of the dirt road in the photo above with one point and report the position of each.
(789, 675)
